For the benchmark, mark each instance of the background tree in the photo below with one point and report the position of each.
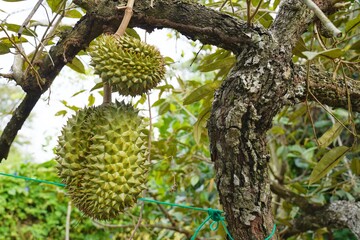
(268, 57)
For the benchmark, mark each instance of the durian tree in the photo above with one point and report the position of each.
(279, 66)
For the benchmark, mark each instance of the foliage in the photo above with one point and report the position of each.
(314, 149)
(37, 211)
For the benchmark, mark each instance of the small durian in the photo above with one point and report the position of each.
(129, 65)
(102, 159)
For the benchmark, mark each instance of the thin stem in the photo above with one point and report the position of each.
(248, 9)
(180, 230)
(324, 20)
(126, 18)
(256, 10)
(107, 93)
(139, 221)
(7, 75)
(38, 78)
(67, 227)
(27, 20)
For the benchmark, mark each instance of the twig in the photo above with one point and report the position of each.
(38, 78)
(14, 125)
(256, 10)
(107, 93)
(126, 19)
(46, 35)
(138, 224)
(165, 212)
(7, 75)
(324, 20)
(197, 54)
(294, 198)
(27, 20)
(180, 230)
(150, 128)
(67, 227)
(248, 10)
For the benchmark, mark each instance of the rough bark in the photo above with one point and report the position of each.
(243, 109)
(260, 84)
(192, 20)
(335, 215)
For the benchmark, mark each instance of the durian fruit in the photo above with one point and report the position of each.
(102, 159)
(129, 65)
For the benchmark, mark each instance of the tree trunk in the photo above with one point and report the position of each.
(243, 110)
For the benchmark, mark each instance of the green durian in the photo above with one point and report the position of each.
(102, 159)
(129, 65)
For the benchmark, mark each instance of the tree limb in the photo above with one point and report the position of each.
(327, 90)
(17, 120)
(192, 20)
(293, 198)
(324, 20)
(78, 39)
(337, 215)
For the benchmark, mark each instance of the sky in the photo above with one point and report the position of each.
(44, 128)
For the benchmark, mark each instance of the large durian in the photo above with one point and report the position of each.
(129, 65)
(102, 155)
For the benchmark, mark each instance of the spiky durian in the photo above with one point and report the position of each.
(102, 155)
(131, 66)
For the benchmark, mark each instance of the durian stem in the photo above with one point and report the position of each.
(107, 93)
(126, 19)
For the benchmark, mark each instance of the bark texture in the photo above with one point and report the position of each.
(262, 82)
(335, 215)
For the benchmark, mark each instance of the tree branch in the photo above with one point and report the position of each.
(17, 120)
(324, 20)
(338, 215)
(192, 20)
(78, 39)
(293, 198)
(327, 90)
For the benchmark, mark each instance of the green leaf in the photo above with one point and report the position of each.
(77, 93)
(330, 135)
(61, 113)
(168, 60)
(72, 107)
(76, 65)
(4, 48)
(91, 100)
(132, 33)
(73, 13)
(355, 166)
(299, 48)
(201, 92)
(225, 63)
(356, 46)
(15, 28)
(327, 162)
(352, 23)
(200, 123)
(331, 53)
(97, 86)
(194, 180)
(158, 102)
(165, 107)
(55, 5)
